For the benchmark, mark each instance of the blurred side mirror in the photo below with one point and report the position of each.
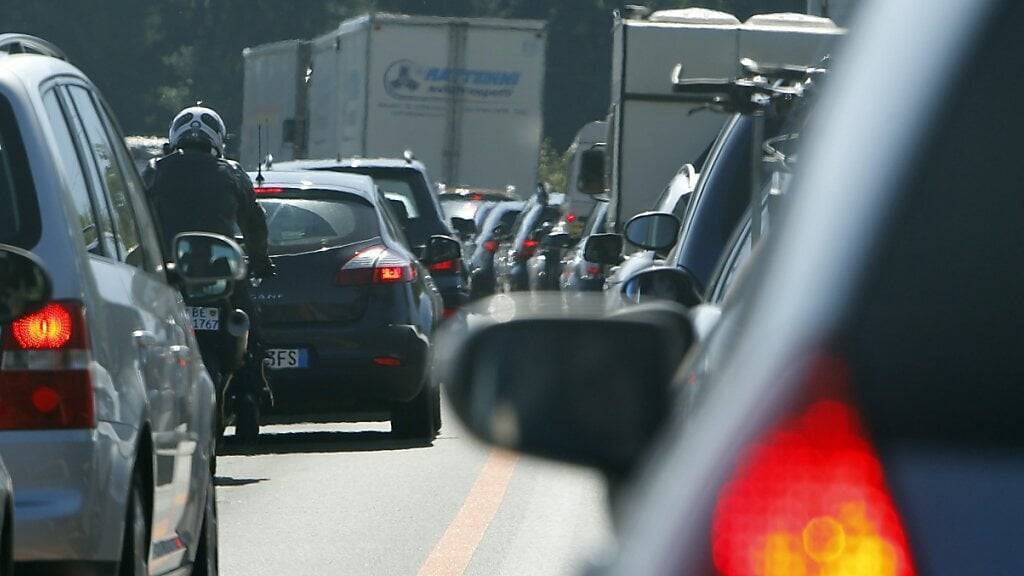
(465, 227)
(24, 284)
(201, 258)
(590, 179)
(603, 249)
(557, 240)
(513, 385)
(663, 283)
(441, 249)
(653, 230)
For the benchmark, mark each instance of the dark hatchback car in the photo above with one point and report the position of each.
(541, 213)
(496, 226)
(350, 314)
(408, 183)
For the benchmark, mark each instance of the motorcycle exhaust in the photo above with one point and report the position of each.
(238, 327)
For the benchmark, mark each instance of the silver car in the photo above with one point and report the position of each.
(107, 421)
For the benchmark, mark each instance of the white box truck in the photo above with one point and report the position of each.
(653, 133)
(464, 94)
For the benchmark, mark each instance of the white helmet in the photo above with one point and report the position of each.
(197, 125)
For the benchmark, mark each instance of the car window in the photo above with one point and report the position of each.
(68, 157)
(19, 209)
(113, 180)
(301, 225)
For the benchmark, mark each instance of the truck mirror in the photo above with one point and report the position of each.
(591, 171)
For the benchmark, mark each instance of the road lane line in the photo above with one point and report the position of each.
(454, 551)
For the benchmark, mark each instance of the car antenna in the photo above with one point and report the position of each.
(259, 155)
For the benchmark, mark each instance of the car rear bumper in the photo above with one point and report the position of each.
(348, 367)
(70, 493)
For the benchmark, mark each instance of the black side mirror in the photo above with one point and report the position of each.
(591, 171)
(464, 226)
(201, 258)
(399, 210)
(24, 284)
(513, 385)
(441, 249)
(603, 249)
(653, 230)
(663, 283)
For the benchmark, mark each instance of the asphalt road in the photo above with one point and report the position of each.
(348, 499)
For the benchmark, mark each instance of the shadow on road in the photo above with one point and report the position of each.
(228, 481)
(322, 443)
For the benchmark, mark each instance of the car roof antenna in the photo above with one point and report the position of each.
(259, 155)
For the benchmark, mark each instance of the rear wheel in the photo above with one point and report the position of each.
(435, 400)
(207, 555)
(135, 549)
(7, 554)
(415, 418)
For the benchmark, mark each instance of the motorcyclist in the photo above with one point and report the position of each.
(194, 188)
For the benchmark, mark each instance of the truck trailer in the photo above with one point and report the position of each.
(464, 95)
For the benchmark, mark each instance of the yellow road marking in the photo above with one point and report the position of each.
(454, 551)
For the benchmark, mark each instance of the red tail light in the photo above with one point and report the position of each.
(593, 270)
(446, 267)
(529, 248)
(45, 381)
(570, 217)
(375, 266)
(491, 246)
(811, 498)
(389, 361)
(264, 191)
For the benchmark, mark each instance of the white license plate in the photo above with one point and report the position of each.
(204, 319)
(284, 359)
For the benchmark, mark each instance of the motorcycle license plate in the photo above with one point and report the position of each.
(284, 359)
(204, 319)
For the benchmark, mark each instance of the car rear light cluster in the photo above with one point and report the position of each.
(528, 250)
(491, 246)
(45, 382)
(446, 267)
(375, 265)
(810, 498)
(261, 191)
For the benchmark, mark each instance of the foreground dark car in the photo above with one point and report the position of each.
(856, 408)
(407, 182)
(350, 315)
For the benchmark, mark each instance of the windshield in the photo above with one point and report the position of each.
(460, 208)
(19, 211)
(301, 225)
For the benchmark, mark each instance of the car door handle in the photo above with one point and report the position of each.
(144, 339)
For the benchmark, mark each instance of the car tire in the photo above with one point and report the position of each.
(7, 554)
(247, 420)
(135, 547)
(435, 401)
(207, 561)
(415, 418)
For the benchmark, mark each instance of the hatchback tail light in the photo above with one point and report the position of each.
(446, 267)
(810, 497)
(375, 265)
(45, 381)
(491, 246)
(528, 250)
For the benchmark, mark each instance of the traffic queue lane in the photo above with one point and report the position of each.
(350, 499)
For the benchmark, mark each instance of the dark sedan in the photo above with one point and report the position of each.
(406, 181)
(349, 317)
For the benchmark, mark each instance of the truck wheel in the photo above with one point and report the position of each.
(415, 418)
(135, 549)
(247, 421)
(207, 555)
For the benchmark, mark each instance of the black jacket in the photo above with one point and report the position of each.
(197, 192)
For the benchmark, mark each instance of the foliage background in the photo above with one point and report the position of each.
(153, 57)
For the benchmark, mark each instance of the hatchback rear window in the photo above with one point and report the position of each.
(298, 225)
(19, 209)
